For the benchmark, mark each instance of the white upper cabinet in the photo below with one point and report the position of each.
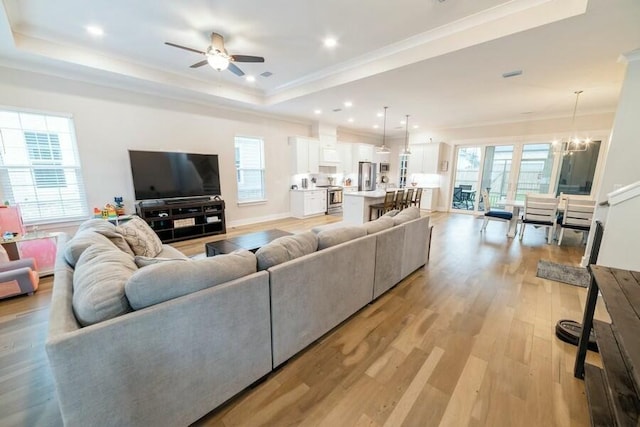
(329, 153)
(346, 154)
(424, 158)
(305, 155)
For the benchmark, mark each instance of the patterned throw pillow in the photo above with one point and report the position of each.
(140, 237)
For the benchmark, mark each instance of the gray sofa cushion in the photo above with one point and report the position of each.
(392, 212)
(285, 249)
(140, 237)
(406, 215)
(330, 238)
(164, 281)
(82, 240)
(98, 283)
(109, 231)
(171, 252)
(382, 223)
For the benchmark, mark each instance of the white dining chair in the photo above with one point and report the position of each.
(577, 216)
(493, 214)
(540, 211)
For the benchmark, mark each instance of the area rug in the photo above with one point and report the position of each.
(576, 276)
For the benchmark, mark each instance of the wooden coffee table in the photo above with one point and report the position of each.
(251, 242)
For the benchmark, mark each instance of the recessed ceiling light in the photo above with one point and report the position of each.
(348, 104)
(376, 126)
(379, 114)
(94, 30)
(416, 126)
(317, 111)
(330, 42)
(250, 79)
(402, 122)
(350, 120)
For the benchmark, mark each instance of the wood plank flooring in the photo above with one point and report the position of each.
(468, 340)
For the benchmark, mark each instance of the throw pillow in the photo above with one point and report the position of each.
(144, 261)
(406, 215)
(98, 284)
(285, 249)
(167, 280)
(109, 231)
(83, 240)
(379, 224)
(330, 238)
(140, 237)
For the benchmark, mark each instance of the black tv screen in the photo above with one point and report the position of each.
(164, 175)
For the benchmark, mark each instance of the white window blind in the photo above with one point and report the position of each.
(40, 167)
(250, 169)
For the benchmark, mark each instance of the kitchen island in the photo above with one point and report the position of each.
(355, 205)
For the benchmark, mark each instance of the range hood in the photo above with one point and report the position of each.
(327, 135)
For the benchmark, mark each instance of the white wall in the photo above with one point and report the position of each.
(109, 121)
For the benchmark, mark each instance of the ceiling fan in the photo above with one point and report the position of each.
(218, 57)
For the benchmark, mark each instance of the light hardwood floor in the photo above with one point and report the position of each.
(468, 340)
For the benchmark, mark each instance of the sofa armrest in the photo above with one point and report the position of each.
(165, 365)
(19, 263)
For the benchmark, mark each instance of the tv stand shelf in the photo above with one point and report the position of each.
(180, 220)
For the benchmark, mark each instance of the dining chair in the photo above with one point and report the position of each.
(399, 200)
(384, 207)
(417, 198)
(457, 198)
(493, 214)
(540, 211)
(577, 216)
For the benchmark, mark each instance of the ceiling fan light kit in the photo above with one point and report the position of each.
(217, 56)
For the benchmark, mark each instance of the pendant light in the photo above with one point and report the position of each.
(574, 143)
(406, 151)
(383, 149)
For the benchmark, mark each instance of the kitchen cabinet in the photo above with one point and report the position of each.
(329, 154)
(361, 153)
(429, 200)
(305, 203)
(424, 158)
(305, 155)
(345, 151)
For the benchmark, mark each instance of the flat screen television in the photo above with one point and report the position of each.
(166, 175)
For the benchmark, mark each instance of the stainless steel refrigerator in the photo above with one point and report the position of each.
(366, 176)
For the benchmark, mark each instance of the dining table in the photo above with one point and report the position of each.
(516, 207)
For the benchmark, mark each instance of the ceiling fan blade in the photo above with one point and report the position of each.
(184, 47)
(199, 64)
(247, 58)
(217, 41)
(235, 70)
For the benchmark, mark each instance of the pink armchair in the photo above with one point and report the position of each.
(17, 277)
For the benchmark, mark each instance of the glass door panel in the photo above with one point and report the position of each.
(578, 169)
(466, 178)
(536, 167)
(496, 174)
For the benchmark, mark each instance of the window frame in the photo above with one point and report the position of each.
(241, 178)
(69, 164)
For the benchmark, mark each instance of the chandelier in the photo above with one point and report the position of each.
(406, 151)
(573, 144)
(383, 149)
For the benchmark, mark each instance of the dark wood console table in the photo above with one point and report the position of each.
(613, 391)
(251, 242)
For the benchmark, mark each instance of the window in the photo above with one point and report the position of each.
(250, 169)
(578, 170)
(40, 168)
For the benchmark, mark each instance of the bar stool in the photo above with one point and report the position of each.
(408, 198)
(399, 200)
(386, 206)
(418, 197)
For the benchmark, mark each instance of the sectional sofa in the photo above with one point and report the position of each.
(140, 335)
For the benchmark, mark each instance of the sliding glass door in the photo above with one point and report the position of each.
(507, 172)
